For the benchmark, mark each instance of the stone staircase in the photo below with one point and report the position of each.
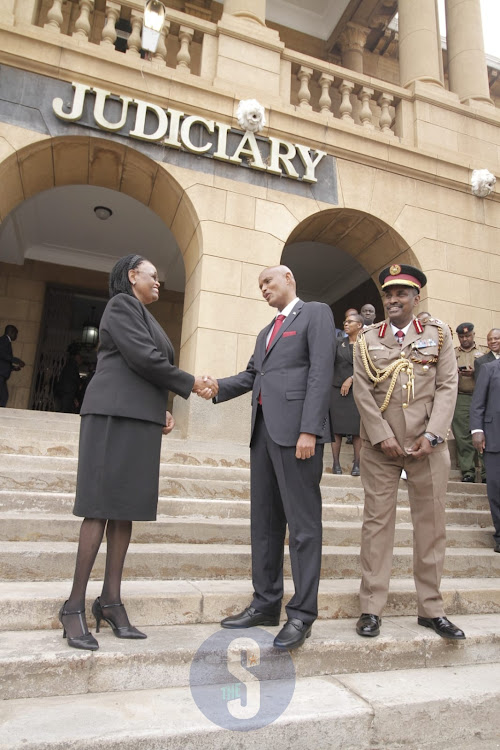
(185, 572)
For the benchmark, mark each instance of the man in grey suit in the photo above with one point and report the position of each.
(485, 428)
(493, 342)
(290, 375)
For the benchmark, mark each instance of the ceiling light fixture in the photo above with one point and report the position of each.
(102, 212)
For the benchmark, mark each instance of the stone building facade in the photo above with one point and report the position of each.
(366, 158)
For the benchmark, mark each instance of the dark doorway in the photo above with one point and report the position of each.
(65, 314)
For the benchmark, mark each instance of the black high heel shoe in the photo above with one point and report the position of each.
(86, 640)
(125, 631)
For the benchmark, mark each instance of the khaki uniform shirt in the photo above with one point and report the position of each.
(435, 386)
(466, 359)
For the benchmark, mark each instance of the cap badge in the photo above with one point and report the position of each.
(395, 270)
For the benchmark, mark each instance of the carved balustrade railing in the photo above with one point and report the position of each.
(316, 86)
(117, 24)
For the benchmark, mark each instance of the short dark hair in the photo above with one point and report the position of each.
(10, 330)
(119, 282)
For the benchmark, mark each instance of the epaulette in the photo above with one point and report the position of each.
(435, 322)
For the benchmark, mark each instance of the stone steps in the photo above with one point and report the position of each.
(17, 501)
(419, 709)
(36, 561)
(39, 663)
(191, 568)
(32, 527)
(34, 605)
(19, 480)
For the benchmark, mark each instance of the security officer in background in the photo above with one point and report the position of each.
(466, 353)
(405, 387)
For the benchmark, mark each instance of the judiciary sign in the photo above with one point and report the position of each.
(192, 133)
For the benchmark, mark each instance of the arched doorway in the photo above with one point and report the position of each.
(52, 238)
(337, 254)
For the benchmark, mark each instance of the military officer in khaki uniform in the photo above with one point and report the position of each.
(466, 353)
(405, 387)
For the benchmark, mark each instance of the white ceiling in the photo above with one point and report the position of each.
(60, 226)
(315, 17)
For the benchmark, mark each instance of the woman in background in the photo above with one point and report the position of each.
(123, 418)
(344, 415)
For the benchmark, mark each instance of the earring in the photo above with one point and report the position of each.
(133, 283)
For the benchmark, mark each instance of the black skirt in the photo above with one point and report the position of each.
(344, 414)
(118, 468)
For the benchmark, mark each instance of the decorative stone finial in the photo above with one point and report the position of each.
(251, 115)
(483, 182)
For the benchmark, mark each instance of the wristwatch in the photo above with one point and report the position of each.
(431, 438)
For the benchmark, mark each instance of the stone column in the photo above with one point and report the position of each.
(352, 44)
(419, 42)
(252, 10)
(466, 60)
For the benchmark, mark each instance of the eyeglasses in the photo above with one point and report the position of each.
(154, 276)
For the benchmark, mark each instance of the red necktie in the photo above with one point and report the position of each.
(277, 325)
(400, 336)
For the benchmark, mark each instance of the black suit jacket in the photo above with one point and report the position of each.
(294, 377)
(6, 357)
(343, 362)
(490, 357)
(135, 365)
(485, 405)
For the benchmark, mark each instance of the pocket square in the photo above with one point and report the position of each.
(289, 333)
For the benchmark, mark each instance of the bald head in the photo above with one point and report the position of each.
(278, 286)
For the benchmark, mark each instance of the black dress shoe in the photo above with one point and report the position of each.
(336, 468)
(355, 469)
(250, 618)
(443, 627)
(293, 634)
(368, 625)
(497, 548)
(468, 478)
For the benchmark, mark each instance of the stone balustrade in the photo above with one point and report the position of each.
(333, 91)
(119, 27)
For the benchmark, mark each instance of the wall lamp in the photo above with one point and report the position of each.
(154, 15)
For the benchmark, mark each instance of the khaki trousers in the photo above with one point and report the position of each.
(427, 482)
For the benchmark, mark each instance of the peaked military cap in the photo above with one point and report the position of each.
(402, 276)
(465, 327)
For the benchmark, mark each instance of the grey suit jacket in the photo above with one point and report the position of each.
(294, 377)
(485, 405)
(135, 365)
(480, 361)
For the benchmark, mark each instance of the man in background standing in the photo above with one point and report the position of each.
(466, 353)
(368, 314)
(485, 428)
(493, 342)
(8, 362)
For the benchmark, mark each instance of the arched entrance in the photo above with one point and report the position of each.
(52, 238)
(337, 254)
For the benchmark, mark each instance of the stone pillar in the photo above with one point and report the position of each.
(252, 10)
(352, 44)
(466, 60)
(419, 42)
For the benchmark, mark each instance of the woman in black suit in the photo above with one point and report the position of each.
(344, 415)
(123, 418)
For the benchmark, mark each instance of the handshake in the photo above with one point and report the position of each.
(205, 386)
